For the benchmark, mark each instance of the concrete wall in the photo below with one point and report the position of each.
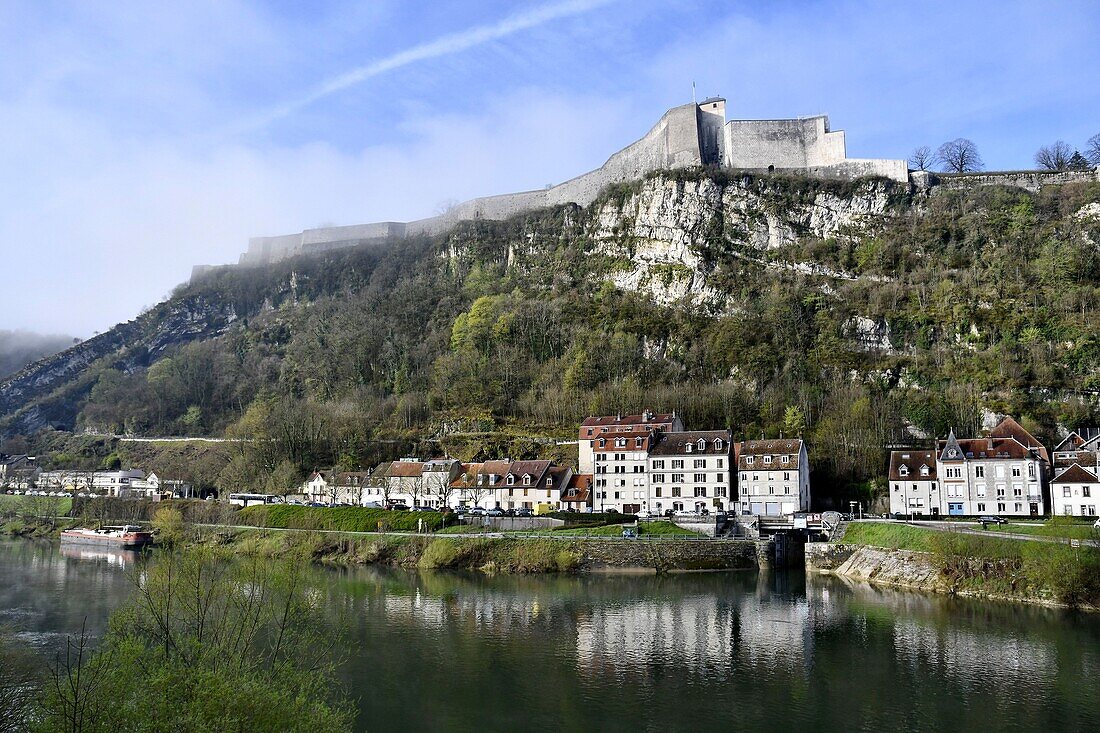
(666, 555)
(797, 143)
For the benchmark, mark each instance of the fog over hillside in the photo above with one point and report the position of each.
(19, 348)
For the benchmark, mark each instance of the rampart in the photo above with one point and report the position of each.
(1028, 180)
(689, 135)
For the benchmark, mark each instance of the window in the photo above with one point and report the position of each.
(981, 507)
(1066, 491)
(510, 480)
(687, 448)
(658, 464)
(677, 464)
(744, 477)
(1016, 472)
(786, 459)
(658, 478)
(700, 491)
(657, 492)
(526, 479)
(675, 490)
(721, 463)
(1000, 491)
(702, 444)
(699, 463)
(903, 470)
(718, 444)
(979, 471)
(549, 481)
(677, 478)
(700, 478)
(767, 459)
(749, 460)
(1000, 506)
(637, 442)
(924, 470)
(1086, 491)
(786, 475)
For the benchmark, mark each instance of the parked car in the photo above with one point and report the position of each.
(991, 519)
(373, 505)
(399, 507)
(419, 508)
(495, 512)
(524, 512)
(477, 511)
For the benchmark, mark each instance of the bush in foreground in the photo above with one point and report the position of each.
(339, 518)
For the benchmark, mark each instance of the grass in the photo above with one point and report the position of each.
(650, 529)
(340, 519)
(993, 565)
(1055, 527)
(62, 505)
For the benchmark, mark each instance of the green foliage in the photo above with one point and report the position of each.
(341, 518)
(205, 645)
(168, 525)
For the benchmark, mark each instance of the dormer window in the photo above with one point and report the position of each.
(702, 444)
(687, 448)
(924, 470)
(526, 479)
(603, 442)
(767, 459)
(549, 481)
(718, 444)
(786, 459)
(903, 470)
(637, 442)
(749, 460)
(510, 480)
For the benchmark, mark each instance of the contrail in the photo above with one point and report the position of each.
(443, 46)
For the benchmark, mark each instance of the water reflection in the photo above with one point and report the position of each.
(111, 556)
(443, 651)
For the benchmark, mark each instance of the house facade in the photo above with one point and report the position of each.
(1002, 473)
(690, 471)
(1075, 491)
(913, 483)
(773, 476)
(413, 482)
(609, 426)
(621, 460)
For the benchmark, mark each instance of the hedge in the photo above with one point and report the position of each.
(340, 518)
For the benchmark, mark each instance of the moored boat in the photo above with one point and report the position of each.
(126, 535)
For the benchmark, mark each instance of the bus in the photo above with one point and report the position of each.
(253, 499)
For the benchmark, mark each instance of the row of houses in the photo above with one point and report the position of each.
(1005, 472)
(21, 472)
(644, 463)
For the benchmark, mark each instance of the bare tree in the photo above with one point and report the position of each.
(1092, 149)
(1054, 157)
(959, 156)
(922, 158)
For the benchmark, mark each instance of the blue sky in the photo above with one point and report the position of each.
(139, 139)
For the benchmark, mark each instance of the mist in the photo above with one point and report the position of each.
(19, 348)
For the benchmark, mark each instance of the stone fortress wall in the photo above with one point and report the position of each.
(685, 136)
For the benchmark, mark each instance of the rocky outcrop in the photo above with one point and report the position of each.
(875, 564)
(42, 394)
(666, 226)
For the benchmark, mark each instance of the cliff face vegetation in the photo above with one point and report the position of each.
(857, 313)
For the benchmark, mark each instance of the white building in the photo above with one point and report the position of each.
(914, 487)
(1002, 473)
(621, 460)
(773, 476)
(113, 483)
(608, 426)
(690, 471)
(1074, 491)
(413, 482)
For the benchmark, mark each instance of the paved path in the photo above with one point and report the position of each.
(514, 535)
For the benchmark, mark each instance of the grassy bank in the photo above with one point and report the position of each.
(645, 529)
(997, 566)
(339, 519)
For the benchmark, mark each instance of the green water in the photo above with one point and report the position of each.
(740, 651)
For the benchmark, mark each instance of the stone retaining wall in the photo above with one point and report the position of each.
(667, 555)
(877, 564)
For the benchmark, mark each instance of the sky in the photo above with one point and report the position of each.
(140, 138)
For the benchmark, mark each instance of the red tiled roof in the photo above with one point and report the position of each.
(591, 426)
(1009, 428)
(582, 483)
(989, 448)
(405, 469)
(675, 444)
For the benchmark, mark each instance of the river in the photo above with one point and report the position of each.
(745, 651)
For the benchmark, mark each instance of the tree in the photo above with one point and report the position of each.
(1053, 157)
(1092, 149)
(794, 420)
(1078, 162)
(959, 156)
(205, 644)
(921, 158)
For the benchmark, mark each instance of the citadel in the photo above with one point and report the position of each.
(694, 134)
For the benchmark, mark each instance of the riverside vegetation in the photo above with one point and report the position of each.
(844, 311)
(997, 566)
(206, 644)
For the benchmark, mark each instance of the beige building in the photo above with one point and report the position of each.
(619, 478)
(773, 477)
(690, 471)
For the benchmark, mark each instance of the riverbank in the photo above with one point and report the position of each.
(498, 554)
(964, 565)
